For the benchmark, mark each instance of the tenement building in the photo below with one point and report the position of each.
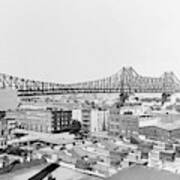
(61, 120)
(44, 120)
(122, 122)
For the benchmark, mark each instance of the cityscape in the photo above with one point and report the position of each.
(107, 134)
(89, 90)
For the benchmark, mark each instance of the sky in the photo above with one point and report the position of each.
(68, 41)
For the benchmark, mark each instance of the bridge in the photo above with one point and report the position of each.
(126, 80)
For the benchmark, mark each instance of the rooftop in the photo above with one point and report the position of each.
(58, 139)
(166, 126)
(143, 173)
(163, 121)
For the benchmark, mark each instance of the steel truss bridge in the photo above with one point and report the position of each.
(125, 80)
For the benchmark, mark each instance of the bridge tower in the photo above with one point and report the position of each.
(125, 87)
(168, 87)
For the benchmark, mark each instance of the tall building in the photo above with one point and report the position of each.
(86, 120)
(99, 120)
(114, 119)
(92, 120)
(122, 122)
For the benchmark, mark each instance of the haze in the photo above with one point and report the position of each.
(76, 40)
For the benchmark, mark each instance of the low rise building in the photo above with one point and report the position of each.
(11, 120)
(3, 129)
(167, 155)
(161, 154)
(159, 130)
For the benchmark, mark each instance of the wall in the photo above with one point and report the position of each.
(129, 124)
(77, 115)
(154, 132)
(175, 133)
(8, 99)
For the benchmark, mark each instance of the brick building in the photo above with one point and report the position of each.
(44, 120)
(61, 120)
(122, 122)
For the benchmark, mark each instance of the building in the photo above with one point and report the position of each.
(122, 122)
(160, 125)
(161, 154)
(99, 120)
(61, 120)
(86, 120)
(44, 120)
(77, 115)
(9, 100)
(114, 119)
(92, 120)
(160, 132)
(168, 155)
(11, 120)
(7, 124)
(83, 163)
(3, 130)
(157, 129)
(129, 124)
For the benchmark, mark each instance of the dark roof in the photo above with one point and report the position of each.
(43, 173)
(144, 173)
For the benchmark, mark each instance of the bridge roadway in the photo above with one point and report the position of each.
(87, 91)
(125, 80)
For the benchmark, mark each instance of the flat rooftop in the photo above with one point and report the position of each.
(163, 121)
(161, 125)
(144, 173)
(57, 139)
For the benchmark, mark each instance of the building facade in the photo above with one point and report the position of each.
(3, 129)
(114, 120)
(160, 133)
(92, 120)
(44, 120)
(61, 120)
(161, 127)
(99, 120)
(122, 122)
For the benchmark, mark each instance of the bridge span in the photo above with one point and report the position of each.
(125, 80)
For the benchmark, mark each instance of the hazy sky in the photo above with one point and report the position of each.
(74, 40)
